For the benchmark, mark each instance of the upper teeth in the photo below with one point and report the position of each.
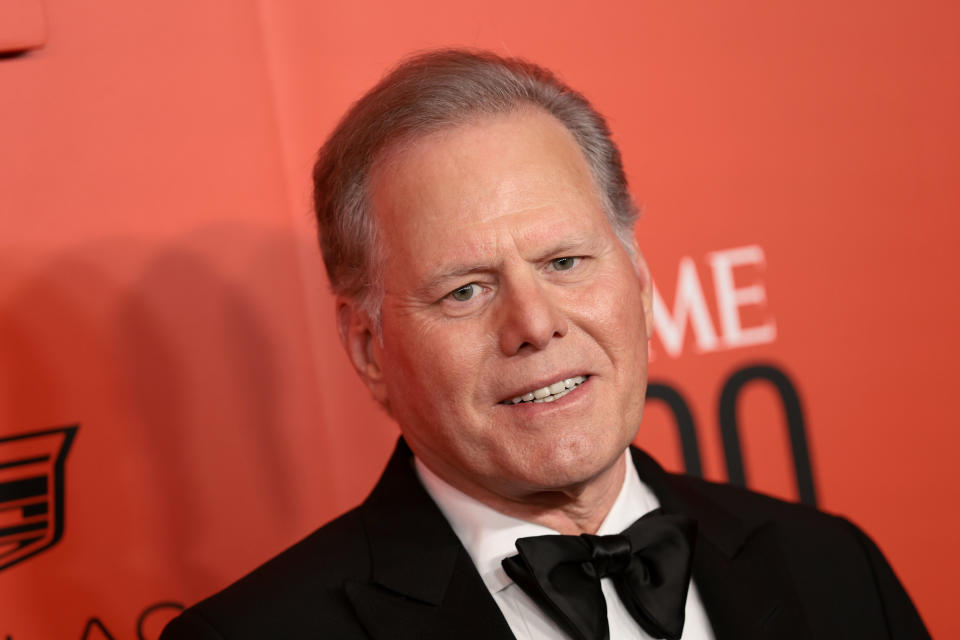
(551, 392)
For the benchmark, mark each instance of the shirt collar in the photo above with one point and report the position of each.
(490, 536)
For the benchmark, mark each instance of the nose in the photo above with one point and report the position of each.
(530, 316)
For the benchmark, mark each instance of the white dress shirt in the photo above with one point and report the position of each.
(490, 536)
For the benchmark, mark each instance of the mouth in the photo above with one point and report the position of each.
(549, 393)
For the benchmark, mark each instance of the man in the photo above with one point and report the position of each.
(478, 233)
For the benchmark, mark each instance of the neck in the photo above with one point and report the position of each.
(572, 510)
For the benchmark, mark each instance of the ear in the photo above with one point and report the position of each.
(646, 293)
(358, 336)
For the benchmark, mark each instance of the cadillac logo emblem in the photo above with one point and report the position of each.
(31, 492)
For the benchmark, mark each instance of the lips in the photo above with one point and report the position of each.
(549, 393)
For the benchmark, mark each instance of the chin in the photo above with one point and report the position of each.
(575, 461)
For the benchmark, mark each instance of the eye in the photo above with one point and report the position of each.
(564, 264)
(465, 292)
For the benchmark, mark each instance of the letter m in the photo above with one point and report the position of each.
(688, 305)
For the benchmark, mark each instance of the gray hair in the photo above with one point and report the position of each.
(423, 94)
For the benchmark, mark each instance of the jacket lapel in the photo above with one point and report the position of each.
(738, 565)
(423, 584)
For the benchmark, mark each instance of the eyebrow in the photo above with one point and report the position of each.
(457, 271)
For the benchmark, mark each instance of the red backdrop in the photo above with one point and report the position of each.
(160, 286)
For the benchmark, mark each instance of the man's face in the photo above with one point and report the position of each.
(503, 277)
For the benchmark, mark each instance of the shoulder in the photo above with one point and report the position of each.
(303, 592)
(801, 529)
(730, 510)
(836, 570)
(298, 593)
(756, 508)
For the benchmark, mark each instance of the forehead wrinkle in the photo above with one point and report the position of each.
(461, 260)
(482, 252)
(490, 243)
(461, 226)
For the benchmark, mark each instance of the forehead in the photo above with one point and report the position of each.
(450, 195)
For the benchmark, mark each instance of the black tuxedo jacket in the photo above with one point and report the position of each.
(393, 568)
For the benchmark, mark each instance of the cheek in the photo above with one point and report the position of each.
(434, 361)
(615, 309)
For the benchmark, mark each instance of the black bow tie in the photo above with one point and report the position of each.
(649, 564)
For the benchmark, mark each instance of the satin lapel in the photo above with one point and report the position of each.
(738, 565)
(423, 583)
